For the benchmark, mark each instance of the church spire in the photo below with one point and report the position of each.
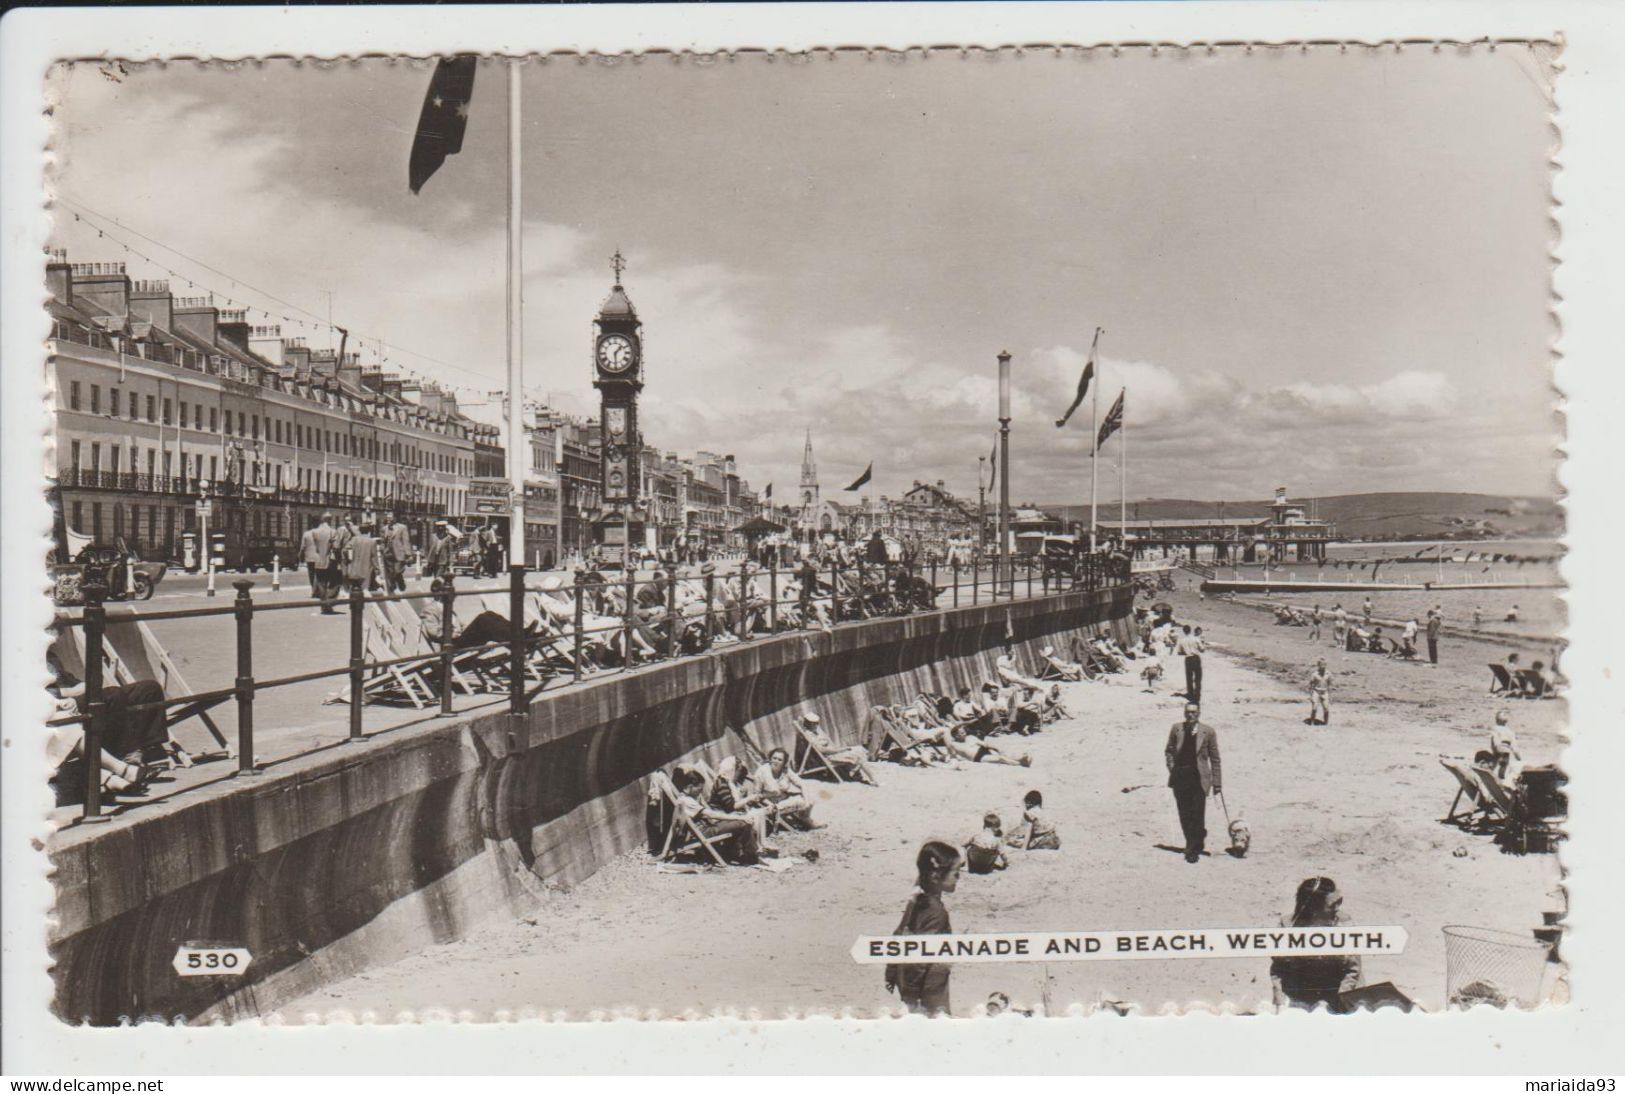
(809, 475)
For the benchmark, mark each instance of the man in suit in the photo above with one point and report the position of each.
(316, 548)
(1192, 756)
(361, 561)
(397, 548)
(437, 563)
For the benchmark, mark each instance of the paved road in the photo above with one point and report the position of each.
(294, 719)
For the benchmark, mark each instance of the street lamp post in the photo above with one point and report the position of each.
(1004, 470)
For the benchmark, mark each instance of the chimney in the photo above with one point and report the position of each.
(297, 355)
(324, 363)
(197, 316)
(372, 379)
(103, 284)
(150, 300)
(266, 342)
(59, 275)
(349, 370)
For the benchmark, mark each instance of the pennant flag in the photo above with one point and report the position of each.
(444, 118)
(868, 473)
(1113, 422)
(1375, 566)
(1083, 383)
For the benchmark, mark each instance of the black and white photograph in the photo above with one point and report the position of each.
(961, 532)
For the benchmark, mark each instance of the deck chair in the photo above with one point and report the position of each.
(683, 835)
(1531, 685)
(891, 740)
(1501, 679)
(131, 653)
(1519, 821)
(382, 641)
(1481, 811)
(809, 758)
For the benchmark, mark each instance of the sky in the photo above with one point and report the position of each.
(1321, 270)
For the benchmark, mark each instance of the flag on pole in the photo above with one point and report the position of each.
(767, 495)
(1113, 422)
(1083, 383)
(993, 465)
(868, 473)
(444, 118)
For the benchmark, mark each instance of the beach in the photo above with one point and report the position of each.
(1358, 801)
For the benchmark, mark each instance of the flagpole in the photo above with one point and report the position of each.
(515, 317)
(1122, 474)
(1094, 451)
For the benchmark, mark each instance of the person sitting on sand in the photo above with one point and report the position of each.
(743, 848)
(984, 852)
(1374, 642)
(1151, 674)
(1054, 710)
(1025, 714)
(1512, 614)
(1309, 981)
(969, 714)
(781, 789)
(1036, 833)
(976, 750)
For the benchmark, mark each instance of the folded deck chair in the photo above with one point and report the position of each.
(684, 836)
(1480, 811)
(1501, 679)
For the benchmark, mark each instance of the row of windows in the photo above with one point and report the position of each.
(277, 431)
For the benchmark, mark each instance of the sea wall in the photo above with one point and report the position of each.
(357, 856)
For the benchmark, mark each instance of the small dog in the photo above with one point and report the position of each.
(1151, 674)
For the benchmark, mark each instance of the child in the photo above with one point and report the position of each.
(985, 851)
(1320, 695)
(924, 988)
(1036, 832)
(1151, 674)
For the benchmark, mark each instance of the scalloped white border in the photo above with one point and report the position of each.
(1569, 1040)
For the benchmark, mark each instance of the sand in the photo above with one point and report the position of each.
(1359, 801)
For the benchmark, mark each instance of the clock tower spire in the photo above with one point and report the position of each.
(617, 363)
(809, 476)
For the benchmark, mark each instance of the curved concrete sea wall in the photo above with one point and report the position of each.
(361, 854)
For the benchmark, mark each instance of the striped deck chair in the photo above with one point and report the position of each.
(131, 653)
(382, 640)
(471, 669)
(1481, 811)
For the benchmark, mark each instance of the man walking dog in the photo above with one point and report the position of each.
(1192, 755)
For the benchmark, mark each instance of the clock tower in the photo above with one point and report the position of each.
(617, 373)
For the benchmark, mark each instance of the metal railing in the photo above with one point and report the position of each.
(613, 625)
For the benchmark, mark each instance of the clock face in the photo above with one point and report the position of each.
(615, 353)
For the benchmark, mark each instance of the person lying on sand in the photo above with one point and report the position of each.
(976, 750)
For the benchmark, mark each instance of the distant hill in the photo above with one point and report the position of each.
(1400, 515)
